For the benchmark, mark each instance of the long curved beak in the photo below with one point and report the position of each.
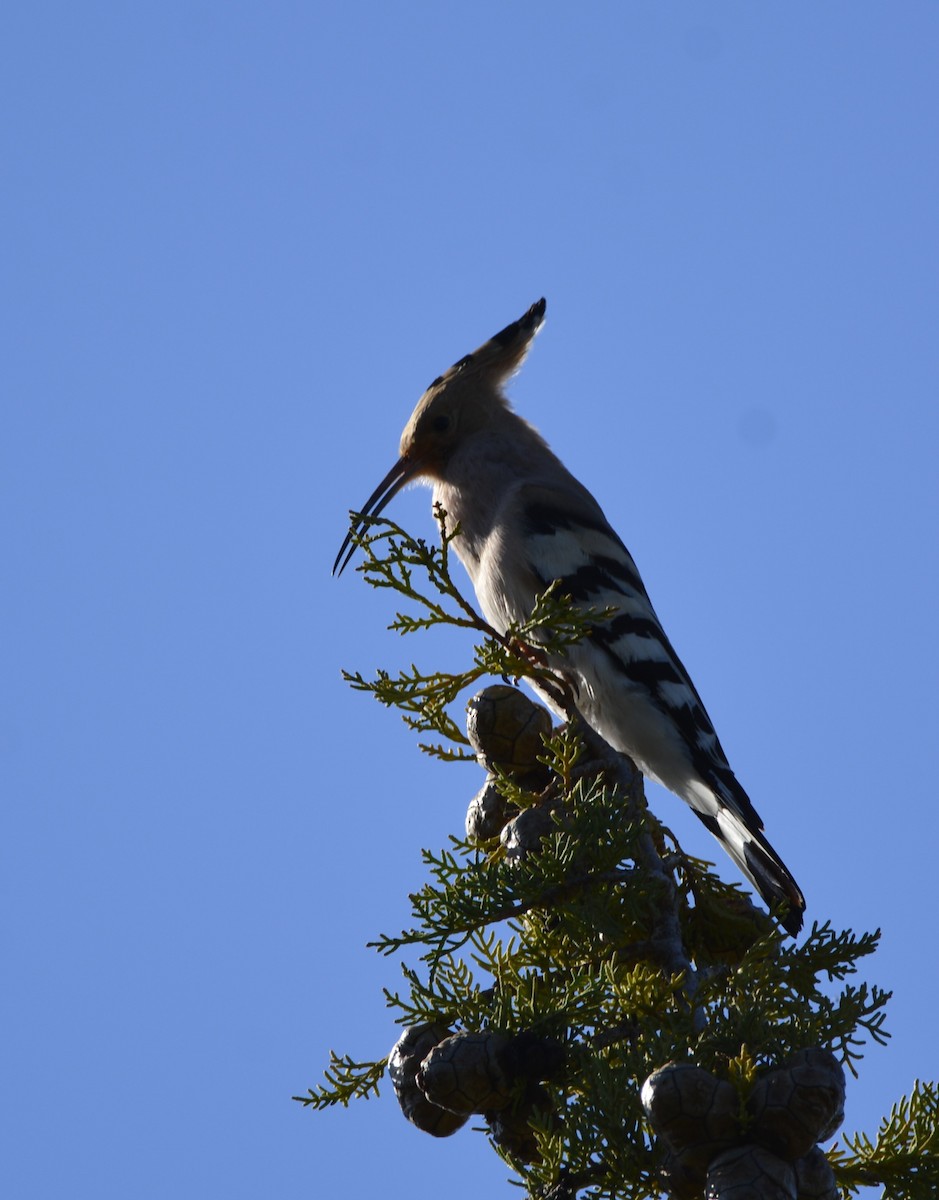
(401, 473)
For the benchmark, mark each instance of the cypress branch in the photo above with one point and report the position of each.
(578, 976)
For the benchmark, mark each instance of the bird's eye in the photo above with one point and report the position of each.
(441, 423)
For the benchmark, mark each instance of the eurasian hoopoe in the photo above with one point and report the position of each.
(525, 521)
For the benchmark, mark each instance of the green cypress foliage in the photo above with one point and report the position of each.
(549, 973)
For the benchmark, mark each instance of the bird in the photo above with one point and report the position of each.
(525, 523)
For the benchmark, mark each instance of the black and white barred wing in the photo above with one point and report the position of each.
(630, 684)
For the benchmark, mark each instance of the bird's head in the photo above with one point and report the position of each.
(457, 404)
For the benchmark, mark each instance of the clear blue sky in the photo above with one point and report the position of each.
(238, 242)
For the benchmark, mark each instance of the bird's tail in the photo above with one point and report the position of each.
(744, 841)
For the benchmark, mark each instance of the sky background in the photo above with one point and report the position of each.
(239, 240)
